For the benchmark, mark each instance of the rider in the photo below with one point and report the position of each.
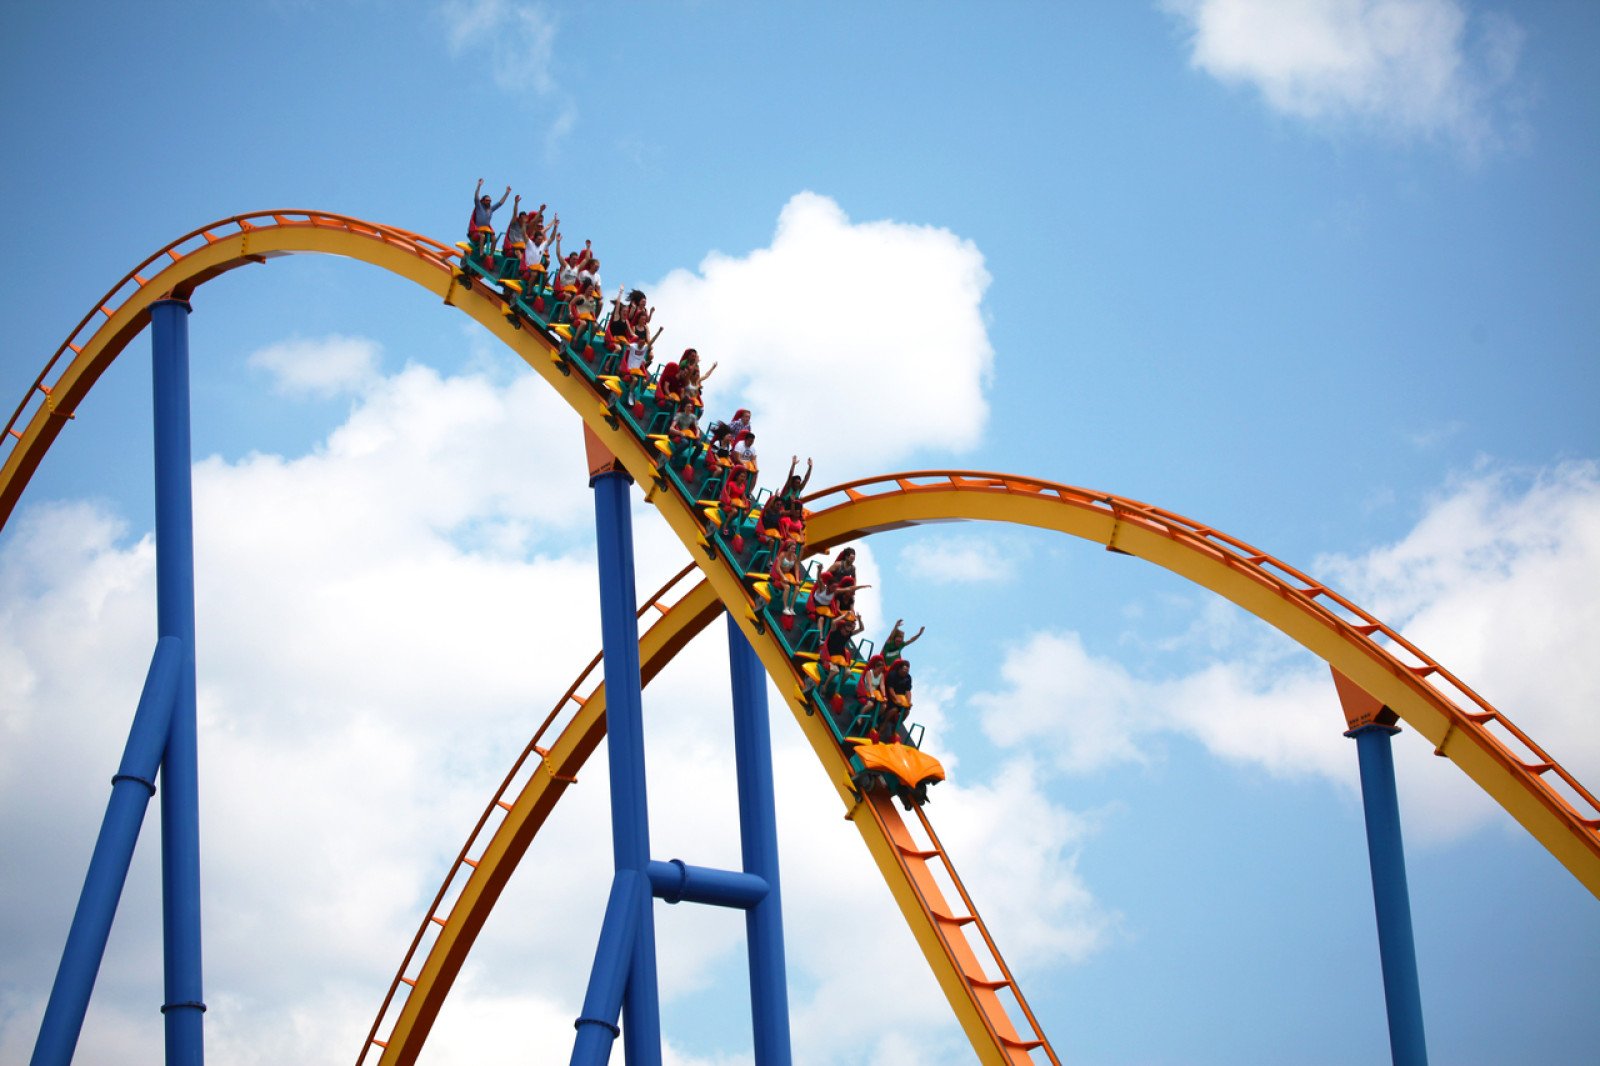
(786, 574)
(480, 230)
(871, 691)
(899, 685)
(895, 643)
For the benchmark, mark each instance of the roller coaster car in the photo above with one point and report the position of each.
(897, 768)
(901, 769)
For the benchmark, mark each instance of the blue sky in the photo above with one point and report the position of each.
(1319, 274)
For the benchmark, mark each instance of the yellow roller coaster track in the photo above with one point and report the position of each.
(1562, 815)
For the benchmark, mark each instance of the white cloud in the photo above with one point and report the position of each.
(517, 42)
(957, 560)
(1496, 582)
(1410, 67)
(1089, 711)
(320, 367)
(867, 374)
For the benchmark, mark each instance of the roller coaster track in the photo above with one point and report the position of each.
(1560, 813)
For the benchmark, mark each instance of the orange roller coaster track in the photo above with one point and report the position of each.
(1560, 813)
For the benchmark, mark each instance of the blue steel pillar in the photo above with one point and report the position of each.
(1391, 898)
(630, 816)
(180, 778)
(1372, 725)
(758, 837)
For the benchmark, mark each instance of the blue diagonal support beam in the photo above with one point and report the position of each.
(131, 790)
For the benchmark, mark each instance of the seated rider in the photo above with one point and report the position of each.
(734, 502)
(567, 273)
(683, 439)
(636, 367)
(480, 230)
(535, 227)
(693, 379)
(744, 452)
(536, 272)
(871, 691)
(833, 662)
(789, 517)
(895, 643)
(786, 574)
(845, 589)
(719, 444)
(585, 309)
(669, 385)
(792, 525)
(844, 566)
(515, 243)
(820, 603)
(767, 523)
(724, 435)
(899, 685)
(631, 319)
(842, 574)
(794, 484)
(591, 270)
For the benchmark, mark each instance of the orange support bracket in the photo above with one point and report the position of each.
(601, 459)
(1360, 708)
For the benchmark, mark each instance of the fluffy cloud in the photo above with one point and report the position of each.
(1407, 66)
(319, 367)
(866, 375)
(1496, 582)
(518, 42)
(957, 560)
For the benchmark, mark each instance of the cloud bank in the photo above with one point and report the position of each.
(517, 43)
(1496, 582)
(1411, 68)
(863, 375)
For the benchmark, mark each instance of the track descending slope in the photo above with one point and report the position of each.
(1555, 808)
(205, 254)
(1348, 638)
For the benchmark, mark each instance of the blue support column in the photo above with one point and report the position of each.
(131, 790)
(180, 777)
(630, 816)
(1391, 898)
(758, 837)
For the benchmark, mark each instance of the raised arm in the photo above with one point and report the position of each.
(503, 197)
